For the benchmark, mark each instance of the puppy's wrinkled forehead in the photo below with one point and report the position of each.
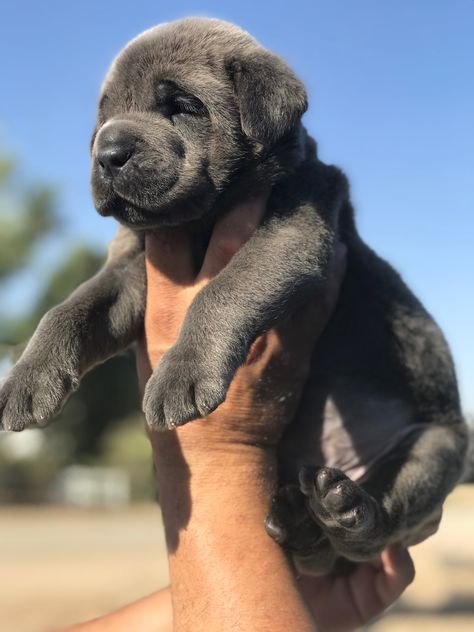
(193, 51)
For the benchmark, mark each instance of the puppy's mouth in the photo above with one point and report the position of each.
(127, 213)
(138, 218)
(132, 208)
(141, 201)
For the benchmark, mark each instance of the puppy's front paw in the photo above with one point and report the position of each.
(33, 393)
(348, 515)
(184, 386)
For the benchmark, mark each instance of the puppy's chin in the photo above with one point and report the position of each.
(138, 218)
(128, 214)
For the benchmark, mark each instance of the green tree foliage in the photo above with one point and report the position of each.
(77, 266)
(24, 219)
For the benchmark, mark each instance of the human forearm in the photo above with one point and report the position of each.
(150, 614)
(226, 573)
(217, 475)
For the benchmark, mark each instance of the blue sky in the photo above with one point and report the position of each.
(391, 101)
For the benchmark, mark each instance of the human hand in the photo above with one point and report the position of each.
(338, 604)
(265, 391)
(217, 475)
(342, 603)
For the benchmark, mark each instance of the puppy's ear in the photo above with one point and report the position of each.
(270, 97)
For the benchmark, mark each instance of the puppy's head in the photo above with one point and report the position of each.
(185, 109)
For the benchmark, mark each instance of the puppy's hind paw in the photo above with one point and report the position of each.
(348, 515)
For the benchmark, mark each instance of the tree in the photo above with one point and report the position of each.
(24, 219)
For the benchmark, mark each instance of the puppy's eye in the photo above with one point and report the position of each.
(177, 107)
(176, 103)
(190, 106)
(166, 108)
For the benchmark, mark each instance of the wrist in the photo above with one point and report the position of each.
(221, 460)
(199, 484)
(210, 443)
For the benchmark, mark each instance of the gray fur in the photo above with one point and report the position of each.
(194, 117)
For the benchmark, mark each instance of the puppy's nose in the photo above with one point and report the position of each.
(113, 156)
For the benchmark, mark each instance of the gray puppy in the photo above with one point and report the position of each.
(195, 116)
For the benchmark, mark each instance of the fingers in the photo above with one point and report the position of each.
(169, 253)
(170, 274)
(229, 234)
(397, 573)
(169, 259)
(171, 280)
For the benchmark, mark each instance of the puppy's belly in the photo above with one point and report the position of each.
(355, 438)
(344, 423)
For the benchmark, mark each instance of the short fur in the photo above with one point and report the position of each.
(195, 116)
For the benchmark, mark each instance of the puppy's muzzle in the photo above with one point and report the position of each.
(114, 150)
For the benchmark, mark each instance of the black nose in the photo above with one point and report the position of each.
(113, 156)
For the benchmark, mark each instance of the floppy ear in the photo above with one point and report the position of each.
(270, 97)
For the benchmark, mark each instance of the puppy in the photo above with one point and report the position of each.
(194, 117)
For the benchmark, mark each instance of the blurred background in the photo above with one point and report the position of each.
(391, 102)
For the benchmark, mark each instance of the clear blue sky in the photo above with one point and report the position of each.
(391, 101)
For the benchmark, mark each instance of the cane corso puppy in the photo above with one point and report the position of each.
(195, 116)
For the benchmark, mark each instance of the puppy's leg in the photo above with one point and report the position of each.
(103, 316)
(274, 273)
(411, 487)
(400, 502)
